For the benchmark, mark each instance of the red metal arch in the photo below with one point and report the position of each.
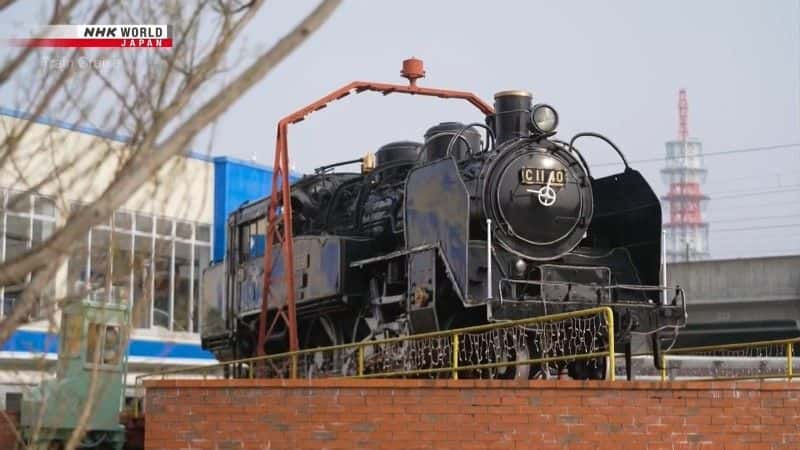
(280, 197)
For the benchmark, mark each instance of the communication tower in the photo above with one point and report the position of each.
(686, 232)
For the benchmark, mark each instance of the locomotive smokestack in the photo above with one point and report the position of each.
(512, 115)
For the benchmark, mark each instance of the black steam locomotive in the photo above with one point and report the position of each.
(457, 230)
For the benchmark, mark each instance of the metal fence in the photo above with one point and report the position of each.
(496, 350)
(536, 346)
(741, 361)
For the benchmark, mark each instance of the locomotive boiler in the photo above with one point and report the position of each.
(473, 223)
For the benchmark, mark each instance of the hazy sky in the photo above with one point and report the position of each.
(609, 66)
(614, 67)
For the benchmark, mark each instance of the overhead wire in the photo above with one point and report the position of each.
(729, 191)
(710, 154)
(748, 219)
(777, 176)
(761, 205)
(764, 227)
(754, 193)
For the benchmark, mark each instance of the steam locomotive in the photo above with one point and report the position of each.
(481, 222)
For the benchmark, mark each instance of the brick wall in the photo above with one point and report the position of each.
(8, 430)
(465, 414)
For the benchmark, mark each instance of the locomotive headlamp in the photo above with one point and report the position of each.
(544, 118)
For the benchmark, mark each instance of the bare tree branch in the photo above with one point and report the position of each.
(29, 298)
(148, 157)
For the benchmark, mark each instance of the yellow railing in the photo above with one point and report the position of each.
(453, 347)
(738, 353)
(454, 344)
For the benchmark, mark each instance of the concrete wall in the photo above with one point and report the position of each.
(737, 290)
(767, 278)
(467, 414)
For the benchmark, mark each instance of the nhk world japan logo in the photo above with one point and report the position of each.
(96, 36)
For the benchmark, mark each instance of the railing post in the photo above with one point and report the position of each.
(360, 360)
(663, 367)
(293, 372)
(251, 369)
(455, 356)
(612, 353)
(789, 361)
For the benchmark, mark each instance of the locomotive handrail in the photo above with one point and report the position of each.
(603, 138)
(679, 293)
(395, 254)
(565, 146)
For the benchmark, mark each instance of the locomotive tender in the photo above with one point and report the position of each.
(460, 229)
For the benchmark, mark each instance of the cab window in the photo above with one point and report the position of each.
(252, 239)
(104, 345)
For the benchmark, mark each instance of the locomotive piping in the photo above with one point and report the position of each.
(425, 146)
(603, 138)
(489, 137)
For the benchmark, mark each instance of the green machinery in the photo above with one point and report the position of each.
(90, 380)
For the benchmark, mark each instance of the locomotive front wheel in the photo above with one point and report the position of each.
(322, 331)
(514, 372)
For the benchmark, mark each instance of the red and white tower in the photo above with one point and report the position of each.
(686, 232)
